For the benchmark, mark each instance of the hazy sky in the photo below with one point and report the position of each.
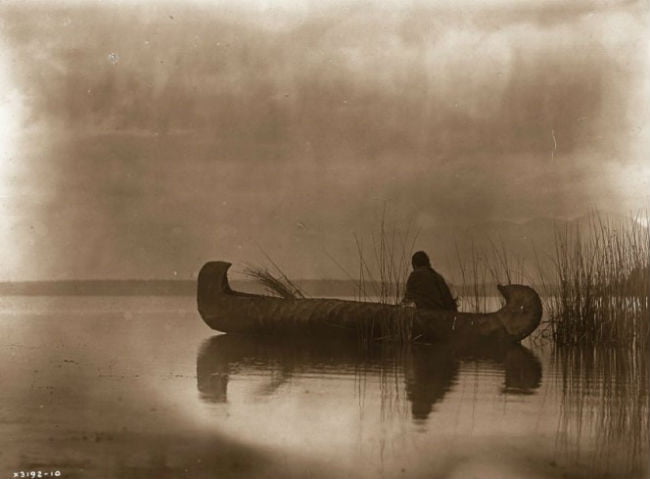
(140, 140)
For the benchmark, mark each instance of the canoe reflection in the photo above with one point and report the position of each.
(429, 371)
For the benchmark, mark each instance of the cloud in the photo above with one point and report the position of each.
(171, 133)
(359, 77)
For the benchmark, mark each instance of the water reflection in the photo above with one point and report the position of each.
(425, 372)
(124, 403)
(605, 407)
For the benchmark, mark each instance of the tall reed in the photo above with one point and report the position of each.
(384, 266)
(481, 269)
(600, 283)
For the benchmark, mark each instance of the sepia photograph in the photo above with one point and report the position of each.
(335, 239)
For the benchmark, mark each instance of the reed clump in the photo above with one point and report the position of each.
(275, 284)
(598, 292)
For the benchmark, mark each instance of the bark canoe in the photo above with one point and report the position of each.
(243, 313)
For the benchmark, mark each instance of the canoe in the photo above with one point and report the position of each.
(235, 312)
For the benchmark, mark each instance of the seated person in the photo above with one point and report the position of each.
(427, 288)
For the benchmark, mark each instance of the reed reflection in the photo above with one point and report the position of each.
(605, 407)
(425, 372)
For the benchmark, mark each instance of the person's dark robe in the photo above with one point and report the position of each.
(428, 290)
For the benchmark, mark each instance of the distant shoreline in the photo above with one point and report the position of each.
(99, 288)
(313, 288)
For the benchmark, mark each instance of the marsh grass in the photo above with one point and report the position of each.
(599, 289)
(383, 268)
(596, 290)
(481, 270)
(384, 265)
(473, 275)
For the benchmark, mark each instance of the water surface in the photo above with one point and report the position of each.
(140, 387)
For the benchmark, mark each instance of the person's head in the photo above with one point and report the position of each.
(420, 259)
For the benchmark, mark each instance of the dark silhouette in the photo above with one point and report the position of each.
(426, 287)
(429, 373)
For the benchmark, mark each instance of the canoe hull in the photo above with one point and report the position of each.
(229, 311)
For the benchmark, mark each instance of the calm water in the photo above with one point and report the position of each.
(140, 387)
